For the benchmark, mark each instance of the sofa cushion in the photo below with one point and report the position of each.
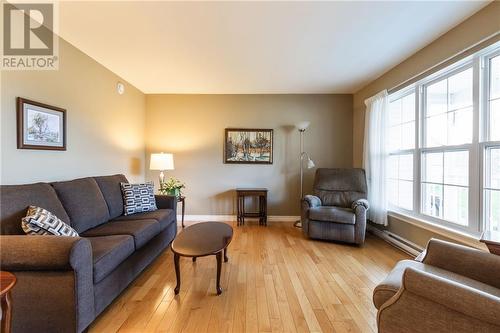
(391, 284)
(112, 192)
(332, 214)
(108, 252)
(39, 221)
(15, 200)
(164, 216)
(141, 230)
(84, 202)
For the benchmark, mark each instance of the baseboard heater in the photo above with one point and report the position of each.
(397, 241)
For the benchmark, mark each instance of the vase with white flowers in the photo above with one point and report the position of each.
(172, 186)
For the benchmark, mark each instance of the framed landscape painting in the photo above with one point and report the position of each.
(250, 146)
(40, 126)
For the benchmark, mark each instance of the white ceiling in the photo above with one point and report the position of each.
(255, 47)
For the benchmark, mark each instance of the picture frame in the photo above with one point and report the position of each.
(40, 126)
(248, 146)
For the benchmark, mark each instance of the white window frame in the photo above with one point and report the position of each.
(485, 142)
(477, 213)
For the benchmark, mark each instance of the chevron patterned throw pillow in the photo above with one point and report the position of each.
(39, 221)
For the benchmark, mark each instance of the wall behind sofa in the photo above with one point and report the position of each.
(105, 130)
(192, 127)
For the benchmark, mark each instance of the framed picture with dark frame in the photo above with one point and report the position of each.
(248, 146)
(40, 126)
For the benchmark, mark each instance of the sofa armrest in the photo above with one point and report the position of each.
(312, 201)
(464, 260)
(453, 295)
(49, 253)
(62, 263)
(166, 201)
(360, 202)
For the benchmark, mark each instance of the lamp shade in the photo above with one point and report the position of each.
(310, 163)
(161, 162)
(303, 125)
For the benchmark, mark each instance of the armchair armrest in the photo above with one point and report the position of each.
(39, 253)
(312, 201)
(360, 207)
(166, 202)
(360, 202)
(463, 260)
(453, 295)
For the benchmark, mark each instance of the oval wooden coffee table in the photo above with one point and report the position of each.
(200, 240)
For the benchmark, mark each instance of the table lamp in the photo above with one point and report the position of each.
(161, 162)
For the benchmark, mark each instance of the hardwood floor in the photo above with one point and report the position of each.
(275, 281)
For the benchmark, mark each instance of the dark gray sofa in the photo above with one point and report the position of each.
(64, 283)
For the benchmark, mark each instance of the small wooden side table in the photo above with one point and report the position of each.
(182, 199)
(7, 282)
(261, 193)
(492, 241)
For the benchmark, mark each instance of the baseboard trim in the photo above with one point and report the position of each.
(397, 241)
(229, 218)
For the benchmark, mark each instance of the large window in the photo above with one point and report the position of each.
(444, 145)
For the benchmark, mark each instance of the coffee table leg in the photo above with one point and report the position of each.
(218, 255)
(226, 259)
(177, 273)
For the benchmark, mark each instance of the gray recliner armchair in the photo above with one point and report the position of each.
(337, 209)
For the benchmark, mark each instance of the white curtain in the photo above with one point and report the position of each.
(375, 155)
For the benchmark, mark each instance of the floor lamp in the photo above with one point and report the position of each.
(301, 127)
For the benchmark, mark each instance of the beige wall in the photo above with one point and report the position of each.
(105, 130)
(192, 127)
(481, 25)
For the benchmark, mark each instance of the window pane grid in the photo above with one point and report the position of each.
(400, 180)
(494, 98)
(492, 187)
(445, 146)
(449, 102)
(402, 123)
(444, 185)
(492, 209)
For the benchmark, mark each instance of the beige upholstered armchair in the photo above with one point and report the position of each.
(454, 289)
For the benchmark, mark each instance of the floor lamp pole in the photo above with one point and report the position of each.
(301, 164)
(298, 224)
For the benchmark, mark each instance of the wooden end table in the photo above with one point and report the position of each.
(182, 199)
(492, 241)
(201, 240)
(261, 193)
(7, 282)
